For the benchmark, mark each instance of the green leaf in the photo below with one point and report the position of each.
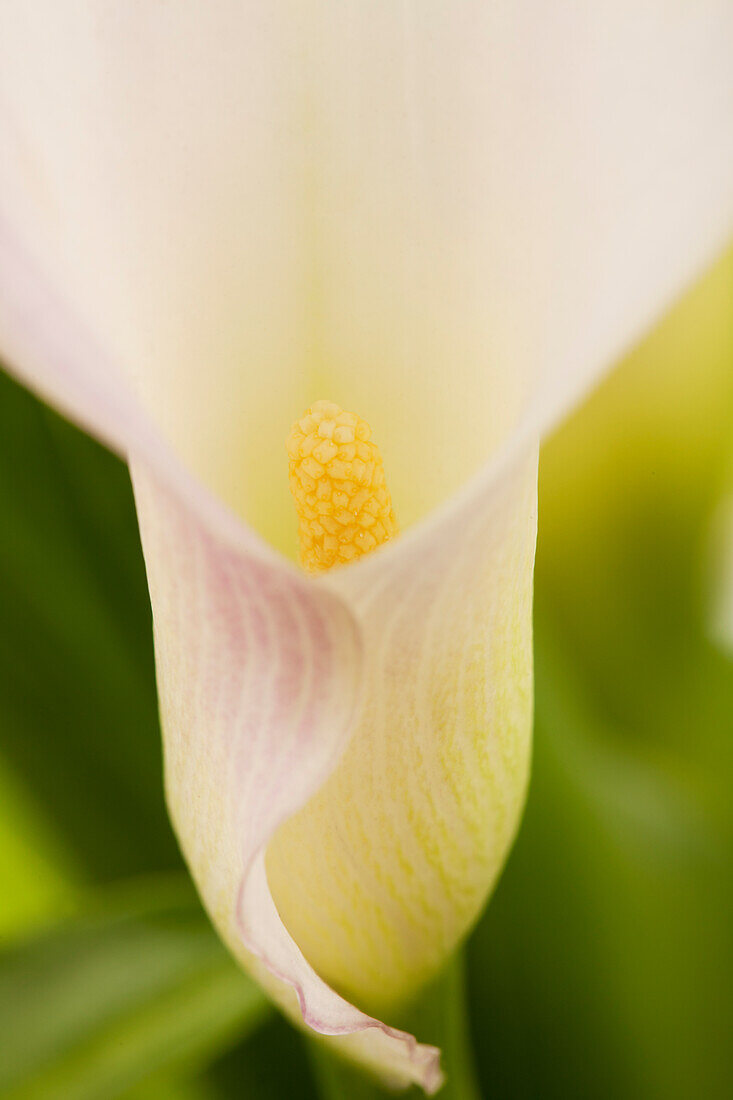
(37, 876)
(139, 986)
(78, 712)
(271, 1063)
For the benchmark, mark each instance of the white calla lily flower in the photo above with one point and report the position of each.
(449, 217)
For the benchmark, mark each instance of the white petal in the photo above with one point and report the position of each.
(514, 190)
(417, 209)
(154, 159)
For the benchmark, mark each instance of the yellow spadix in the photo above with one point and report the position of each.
(339, 487)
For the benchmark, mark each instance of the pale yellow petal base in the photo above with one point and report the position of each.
(384, 870)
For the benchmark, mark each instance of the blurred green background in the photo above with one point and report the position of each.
(603, 967)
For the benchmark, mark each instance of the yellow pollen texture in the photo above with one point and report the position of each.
(338, 485)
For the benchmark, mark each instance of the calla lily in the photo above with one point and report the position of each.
(448, 217)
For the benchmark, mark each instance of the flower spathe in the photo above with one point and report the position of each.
(449, 217)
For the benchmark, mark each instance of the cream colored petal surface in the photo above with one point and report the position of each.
(384, 870)
(413, 207)
(153, 154)
(513, 191)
